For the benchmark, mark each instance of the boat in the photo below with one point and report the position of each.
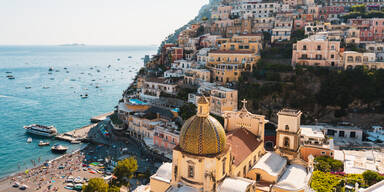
(59, 149)
(84, 96)
(46, 131)
(10, 77)
(118, 59)
(45, 87)
(42, 143)
(29, 140)
(49, 73)
(129, 56)
(75, 142)
(8, 72)
(28, 87)
(50, 69)
(16, 185)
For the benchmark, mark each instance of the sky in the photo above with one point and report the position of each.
(93, 22)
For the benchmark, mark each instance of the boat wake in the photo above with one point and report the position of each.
(3, 96)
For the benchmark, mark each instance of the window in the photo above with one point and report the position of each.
(258, 177)
(358, 59)
(286, 142)
(224, 160)
(350, 59)
(304, 47)
(191, 171)
(286, 127)
(352, 134)
(341, 134)
(318, 47)
(332, 56)
(244, 170)
(322, 153)
(175, 171)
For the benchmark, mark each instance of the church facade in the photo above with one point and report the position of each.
(211, 157)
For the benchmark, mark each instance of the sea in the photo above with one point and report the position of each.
(37, 96)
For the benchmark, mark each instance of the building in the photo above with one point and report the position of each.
(356, 162)
(317, 50)
(227, 66)
(259, 9)
(345, 135)
(196, 76)
(153, 87)
(166, 136)
(208, 159)
(371, 29)
(222, 13)
(288, 132)
(314, 143)
(221, 99)
(244, 119)
(351, 3)
(282, 29)
(244, 42)
(353, 59)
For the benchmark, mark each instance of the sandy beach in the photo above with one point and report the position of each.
(52, 177)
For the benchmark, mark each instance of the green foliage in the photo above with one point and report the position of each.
(187, 111)
(324, 182)
(125, 169)
(114, 189)
(115, 119)
(341, 88)
(183, 93)
(327, 164)
(297, 35)
(371, 177)
(359, 8)
(369, 14)
(96, 184)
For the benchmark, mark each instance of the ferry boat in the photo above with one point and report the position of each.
(59, 149)
(41, 130)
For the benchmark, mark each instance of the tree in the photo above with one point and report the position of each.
(324, 182)
(327, 164)
(187, 110)
(125, 169)
(96, 184)
(114, 189)
(371, 177)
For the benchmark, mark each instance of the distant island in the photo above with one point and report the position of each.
(73, 44)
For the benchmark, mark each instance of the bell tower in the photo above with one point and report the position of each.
(288, 132)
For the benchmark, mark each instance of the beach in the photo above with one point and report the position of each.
(52, 175)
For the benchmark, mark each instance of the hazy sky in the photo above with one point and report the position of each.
(99, 22)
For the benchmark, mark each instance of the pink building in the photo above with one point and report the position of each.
(166, 137)
(317, 50)
(371, 29)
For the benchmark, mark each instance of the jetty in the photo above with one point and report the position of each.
(80, 134)
(99, 118)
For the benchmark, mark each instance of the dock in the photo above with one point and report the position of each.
(77, 134)
(99, 118)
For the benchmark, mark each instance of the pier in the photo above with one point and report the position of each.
(77, 134)
(99, 118)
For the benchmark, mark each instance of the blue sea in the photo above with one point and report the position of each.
(54, 99)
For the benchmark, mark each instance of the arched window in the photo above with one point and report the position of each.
(286, 142)
(358, 59)
(286, 127)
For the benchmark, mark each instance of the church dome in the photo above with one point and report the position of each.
(202, 134)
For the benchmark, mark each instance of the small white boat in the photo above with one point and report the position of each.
(75, 142)
(84, 96)
(59, 149)
(29, 140)
(42, 143)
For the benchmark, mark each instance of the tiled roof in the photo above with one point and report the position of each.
(243, 143)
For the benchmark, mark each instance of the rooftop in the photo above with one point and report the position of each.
(243, 143)
(272, 163)
(294, 178)
(232, 52)
(290, 112)
(235, 185)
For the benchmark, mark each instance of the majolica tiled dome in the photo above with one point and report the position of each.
(202, 134)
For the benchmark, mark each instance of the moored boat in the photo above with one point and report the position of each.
(42, 143)
(46, 131)
(59, 149)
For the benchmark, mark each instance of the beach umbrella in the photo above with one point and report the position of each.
(26, 171)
